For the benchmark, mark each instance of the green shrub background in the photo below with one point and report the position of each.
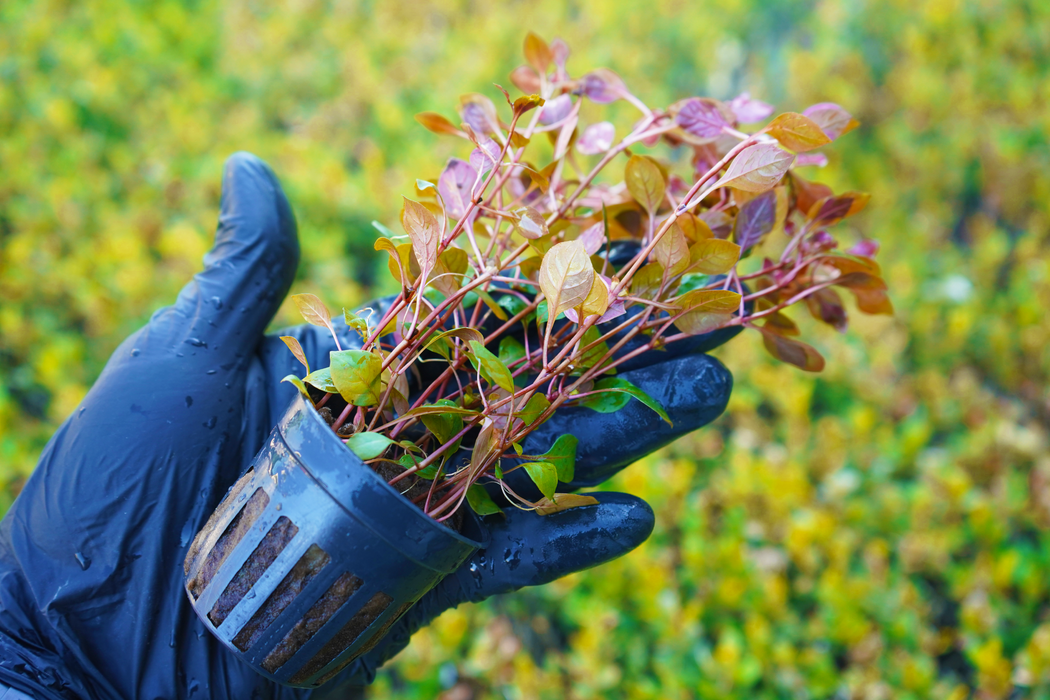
(876, 531)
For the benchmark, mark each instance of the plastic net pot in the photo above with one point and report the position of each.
(312, 556)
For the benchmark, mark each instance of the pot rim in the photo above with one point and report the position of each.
(352, 461)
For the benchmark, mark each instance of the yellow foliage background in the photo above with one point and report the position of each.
(877, 531)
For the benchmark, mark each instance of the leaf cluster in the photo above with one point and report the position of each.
(509, 304)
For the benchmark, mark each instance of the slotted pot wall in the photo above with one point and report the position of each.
(312, 556)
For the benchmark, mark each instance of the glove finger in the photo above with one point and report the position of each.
(224, 310)
(693, 390)
(525, 549)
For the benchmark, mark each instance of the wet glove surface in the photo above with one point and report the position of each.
(91, 590)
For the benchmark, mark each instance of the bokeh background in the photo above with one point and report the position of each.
(881, 530)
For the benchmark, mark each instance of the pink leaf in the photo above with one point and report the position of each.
(555, 110)
(817, 159)
(593, 238)
(832, 119)
(865, 249)
(455, 185)
(596, 138)
(701, 117)
(483, 158)
(560, 52)
(602, 86)
(747, 110)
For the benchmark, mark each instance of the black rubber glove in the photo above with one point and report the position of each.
(91, 590)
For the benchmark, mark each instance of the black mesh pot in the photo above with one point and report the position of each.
(312, 556)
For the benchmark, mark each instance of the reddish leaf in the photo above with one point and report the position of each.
(700, 118)
(847, 264)
(792, 351)
(438, 124)
(781, 324)
(826, 305)
(831, 210)
(757, 217)
(807, 193)
(861, 281)
(525, 79)
(874, 301)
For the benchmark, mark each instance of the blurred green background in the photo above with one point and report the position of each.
(881, 530)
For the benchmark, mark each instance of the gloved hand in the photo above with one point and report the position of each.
(91, 584)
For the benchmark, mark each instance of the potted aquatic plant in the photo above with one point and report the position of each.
(554, 254)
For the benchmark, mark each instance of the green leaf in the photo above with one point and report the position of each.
(616, 393)
(542, 314)
(355, 374)
(536, 405)
(440, 407)
(692, 281)
(410, 461)
(491, 367)
(592, 356)
(480, 501)
(510, 350)
(299, 384)
(512, 304)
(562, 455)
(544, 475)
(322, 379)
(447, 425)
(368, 445)
(439, 343)
(496, 308)
(356, 323)
(383, 230)
(424, 184)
